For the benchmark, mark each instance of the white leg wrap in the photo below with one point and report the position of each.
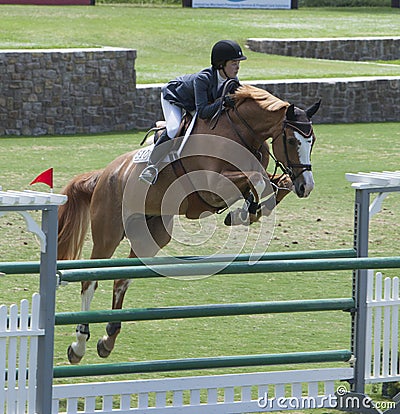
(87, 297)
(79, 347)
(257, 185)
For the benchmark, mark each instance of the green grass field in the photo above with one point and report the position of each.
(171, 41)
(323, 221)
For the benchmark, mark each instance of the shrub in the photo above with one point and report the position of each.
(344, 3)
(302, 3)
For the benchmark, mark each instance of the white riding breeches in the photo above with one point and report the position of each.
(172, 116)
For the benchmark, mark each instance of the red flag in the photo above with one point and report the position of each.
(45, 177)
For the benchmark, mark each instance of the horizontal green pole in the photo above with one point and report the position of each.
(223, 268)
(34, 267)
(201, 363)
(179, 312)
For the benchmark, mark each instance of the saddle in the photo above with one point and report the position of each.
(160, 127)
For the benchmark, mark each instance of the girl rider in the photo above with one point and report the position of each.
(199, 92)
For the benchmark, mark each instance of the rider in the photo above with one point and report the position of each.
(199, 93)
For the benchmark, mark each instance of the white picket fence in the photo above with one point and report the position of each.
(235, 393)
(216, 394)
(19, 333)
(255, 392)
(382, 336)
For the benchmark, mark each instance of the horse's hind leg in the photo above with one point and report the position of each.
(77, 349)
(160, 229)
(106, 238)
(106, 344)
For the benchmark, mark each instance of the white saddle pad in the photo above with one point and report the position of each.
(143, 154)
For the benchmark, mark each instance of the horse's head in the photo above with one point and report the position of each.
(260, 115)
(293, 151)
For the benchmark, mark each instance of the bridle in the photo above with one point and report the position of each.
(303, 128)
(306, 130)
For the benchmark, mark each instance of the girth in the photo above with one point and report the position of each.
(193, 196)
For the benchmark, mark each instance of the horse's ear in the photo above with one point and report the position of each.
(313, 109)
(290, 116)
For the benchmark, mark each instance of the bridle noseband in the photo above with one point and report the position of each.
(303, 128)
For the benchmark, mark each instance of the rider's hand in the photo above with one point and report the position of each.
(228, 101)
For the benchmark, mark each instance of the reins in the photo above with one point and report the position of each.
(228, 85)
(255, 151)
(155, 129)
(304, 128)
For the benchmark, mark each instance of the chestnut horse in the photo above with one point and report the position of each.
(233, 152)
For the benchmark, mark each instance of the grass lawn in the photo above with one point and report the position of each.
(323, 221)
(173, 40)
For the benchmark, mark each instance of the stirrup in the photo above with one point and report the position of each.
(149, 175)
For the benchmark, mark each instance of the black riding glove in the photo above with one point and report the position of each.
(229, 102)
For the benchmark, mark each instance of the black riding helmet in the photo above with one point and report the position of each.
(225, 50)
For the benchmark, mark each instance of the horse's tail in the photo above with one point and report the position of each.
(73, 216)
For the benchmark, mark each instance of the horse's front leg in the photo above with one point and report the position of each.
(252, 185)
(77, 349)
(283, 186)
(106, 344)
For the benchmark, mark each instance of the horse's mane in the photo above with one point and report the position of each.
(265, 99)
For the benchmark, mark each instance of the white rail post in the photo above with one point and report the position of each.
(359, 323)
(23, 202)
(48, 283)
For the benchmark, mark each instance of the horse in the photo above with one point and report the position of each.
(231, 149)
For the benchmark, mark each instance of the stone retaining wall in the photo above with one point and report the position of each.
(349, 100)
(94, 90)
(361, 49)
(67, 91)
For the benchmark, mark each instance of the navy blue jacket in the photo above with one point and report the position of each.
(196, 92)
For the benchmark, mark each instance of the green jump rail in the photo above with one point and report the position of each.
(201, 363)
(225, 268)
(198, 311)
(34, 267)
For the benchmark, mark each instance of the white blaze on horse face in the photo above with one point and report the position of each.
(304, 152)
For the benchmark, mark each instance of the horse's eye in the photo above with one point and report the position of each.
(292, 141)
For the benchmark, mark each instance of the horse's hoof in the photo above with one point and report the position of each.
(102, 351)
(72, 357)
(238, 217)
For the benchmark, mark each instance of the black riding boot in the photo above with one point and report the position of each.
(161, 148)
